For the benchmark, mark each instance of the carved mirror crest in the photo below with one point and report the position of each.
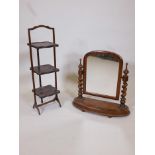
(101, 75)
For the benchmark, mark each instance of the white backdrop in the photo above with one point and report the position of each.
(81, 26)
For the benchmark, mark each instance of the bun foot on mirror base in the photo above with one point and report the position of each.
(105, 108)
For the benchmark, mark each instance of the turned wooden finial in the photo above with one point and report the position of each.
(124, 86)
(80, 80)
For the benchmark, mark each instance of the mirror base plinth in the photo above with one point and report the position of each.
(105, 108)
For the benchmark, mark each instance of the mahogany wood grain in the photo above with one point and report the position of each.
(43, 44)
(105, 108)
(44, 69)
(124, 86)
(48, 90)
(80, 80)
(110, 109)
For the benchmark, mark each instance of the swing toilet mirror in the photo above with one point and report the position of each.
(101, 74)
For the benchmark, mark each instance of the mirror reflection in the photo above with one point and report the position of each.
(102, 75)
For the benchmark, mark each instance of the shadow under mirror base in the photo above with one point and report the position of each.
(105, 108)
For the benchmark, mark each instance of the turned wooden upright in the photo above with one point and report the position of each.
(80, 80)
(124, 87)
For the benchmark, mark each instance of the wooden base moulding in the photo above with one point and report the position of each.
(105, 108)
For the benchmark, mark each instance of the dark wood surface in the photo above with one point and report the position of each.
(46, 91)
(44, 44)
(80, 80)
(109, 109)
(41, 26)
(108, 55)
(124, 86)
(44, 69)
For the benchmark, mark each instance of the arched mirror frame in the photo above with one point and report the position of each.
(113, 57)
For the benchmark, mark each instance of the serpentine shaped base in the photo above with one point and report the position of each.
(105, 108)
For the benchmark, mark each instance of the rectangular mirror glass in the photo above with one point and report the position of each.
(102, 75)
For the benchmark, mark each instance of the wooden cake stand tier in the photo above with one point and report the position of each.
(109, 109)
